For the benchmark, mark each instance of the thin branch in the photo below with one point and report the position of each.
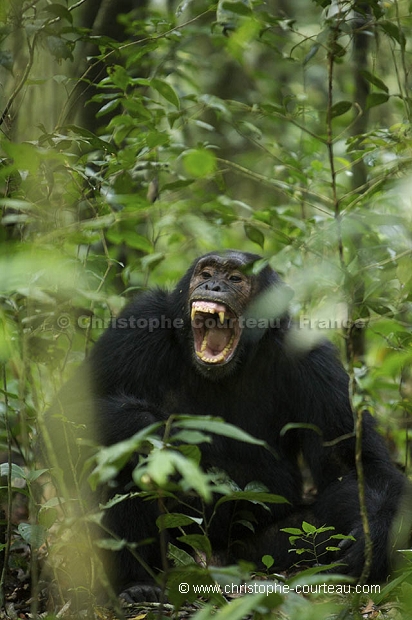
(280, 185)
(22, 82)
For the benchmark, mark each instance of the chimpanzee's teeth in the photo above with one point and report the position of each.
(205, 309)
(217, 358)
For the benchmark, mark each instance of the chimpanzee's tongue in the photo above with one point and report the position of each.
(218, 338)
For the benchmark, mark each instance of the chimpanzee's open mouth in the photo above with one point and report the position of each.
(216, 331)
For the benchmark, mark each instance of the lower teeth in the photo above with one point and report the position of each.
(219, 358)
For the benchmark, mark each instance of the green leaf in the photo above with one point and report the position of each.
(325, 528)
(131, 238)
(157, 138)
(375, 80)
(308, 528)
(90, 138)
(190, 451)
(292, 530)
(254, 234)
(339, 108)
(163, 463)
(161, 466)
(298, 425)
(34, 535)
(178, 556)
(119, 76)
(59, 11)
(238, 7)
(387, 590)
(342, 536)
(404, 271)
(198, 542)
(240, 608)
(33, 474)
(193, 437)
(252, 496)
(47, 517)
(165, 90)
(16, 470)
(172, 519)
(59, 48)
(199, 162)
(312, 53)
(219, 427)
(256, 486)
(311, 575)
(268, 561)
(375, 99)
(393, 31)
(245, 523)
(192, 476)
(112, 459)
(108, 107)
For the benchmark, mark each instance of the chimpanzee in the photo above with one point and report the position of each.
(222, 344)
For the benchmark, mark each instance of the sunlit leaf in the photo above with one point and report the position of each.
(119, 76)
(199, 162)
(268, 561)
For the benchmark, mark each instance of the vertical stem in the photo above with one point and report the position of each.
(329, 143)
(336, 202)
(403, 86)
(356, 336)
(6, 554)
(362, 499)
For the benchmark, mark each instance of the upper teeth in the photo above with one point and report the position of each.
(199, 307)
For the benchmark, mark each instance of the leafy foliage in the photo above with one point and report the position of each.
(308, 536)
